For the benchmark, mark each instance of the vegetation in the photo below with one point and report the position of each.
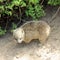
(14, 11)
(2, 32)
(54, 2)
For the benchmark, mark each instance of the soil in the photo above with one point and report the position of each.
(9, 49)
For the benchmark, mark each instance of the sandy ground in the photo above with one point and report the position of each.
(34, 50)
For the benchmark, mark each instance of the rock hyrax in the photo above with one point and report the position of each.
(32, 30)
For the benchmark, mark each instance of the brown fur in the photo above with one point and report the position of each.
(34, 30)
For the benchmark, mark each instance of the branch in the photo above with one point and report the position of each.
(19, 16)
(42, 2)
(54, 16)
(56, 13)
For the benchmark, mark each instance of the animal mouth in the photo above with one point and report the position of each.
(19, 41)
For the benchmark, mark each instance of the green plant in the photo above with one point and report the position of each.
(14, 26)
(54, 2)
(6, 6)
(2, 32)
(35, 11)
(32, 8)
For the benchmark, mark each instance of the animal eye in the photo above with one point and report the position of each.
(15, 39)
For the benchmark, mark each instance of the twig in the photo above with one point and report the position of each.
(19, 16)
(54, 16)
(42, 2)
(56, 13)
(6, 24)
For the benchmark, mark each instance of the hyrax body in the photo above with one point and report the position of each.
(32, 30)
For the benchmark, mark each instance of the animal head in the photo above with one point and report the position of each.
(18, 35)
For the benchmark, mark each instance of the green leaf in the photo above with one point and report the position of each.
(16, 2)
(23, 4)
(34, 1)
(8, 12)
(54, 2)
(14, 26)
(1, 0)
